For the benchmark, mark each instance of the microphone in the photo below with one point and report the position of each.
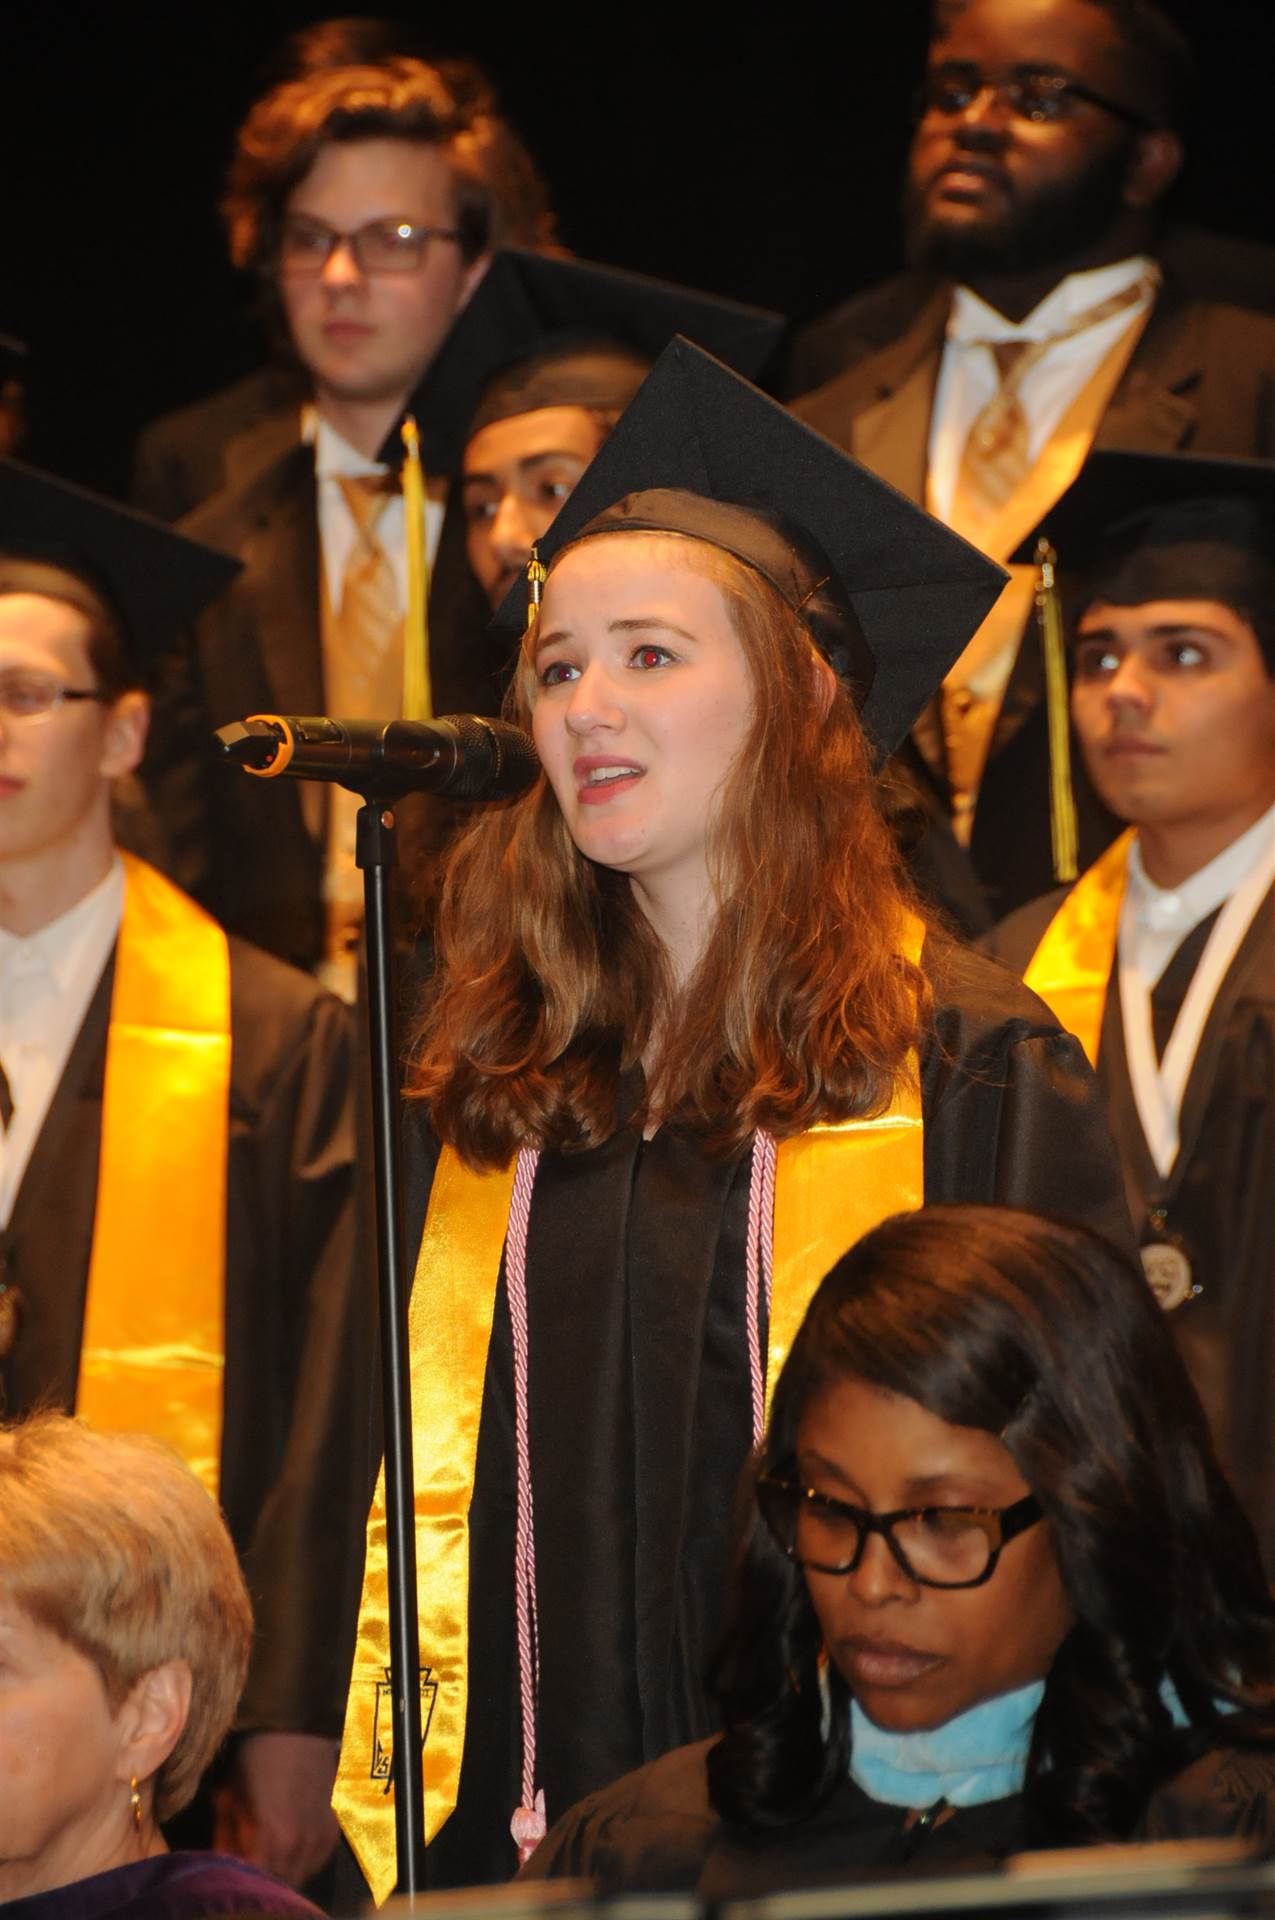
(467, 757)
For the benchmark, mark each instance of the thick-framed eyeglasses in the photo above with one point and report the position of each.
(935, 1546)
(382, 246)
(37, 696)
(1033, 93)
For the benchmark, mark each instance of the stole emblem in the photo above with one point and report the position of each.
(383, 1723)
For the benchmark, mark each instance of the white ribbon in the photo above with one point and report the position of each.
(1159, 1087)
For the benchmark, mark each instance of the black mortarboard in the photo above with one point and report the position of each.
(542, 332)
(1137, 527)
(1142, 495)
(889, 594)
(137, 573)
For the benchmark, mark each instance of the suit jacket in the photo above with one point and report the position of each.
(1201, 379)
(1202, 265)
(252, 852)
(294, 1477)
(185, 457)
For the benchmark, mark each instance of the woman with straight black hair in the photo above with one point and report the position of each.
(994, 1591)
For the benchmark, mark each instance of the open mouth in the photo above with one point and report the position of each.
(607, 776)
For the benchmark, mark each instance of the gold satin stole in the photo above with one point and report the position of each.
(1073, 963)
(152, 1356)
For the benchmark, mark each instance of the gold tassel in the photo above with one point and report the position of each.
(537, 574)
(1062, 802)
(417, 693)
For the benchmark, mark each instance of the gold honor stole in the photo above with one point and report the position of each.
(153, 1350)
(1072, 965)
(832, 1185)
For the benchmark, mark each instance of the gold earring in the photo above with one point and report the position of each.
(135, 1802)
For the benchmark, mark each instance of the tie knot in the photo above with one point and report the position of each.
(1008, 355)
(367, 495)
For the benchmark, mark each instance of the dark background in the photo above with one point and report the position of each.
(721, 151)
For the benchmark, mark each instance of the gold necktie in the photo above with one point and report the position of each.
(365, 673)
(997, 456)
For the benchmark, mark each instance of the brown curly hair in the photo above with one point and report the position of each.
(500, 197)
(552, 985)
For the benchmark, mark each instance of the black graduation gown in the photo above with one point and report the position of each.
(1219, 1195)
(640, 1406)
(655, 1831)
(298, 1328)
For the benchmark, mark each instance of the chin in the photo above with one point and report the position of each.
(894, 1712)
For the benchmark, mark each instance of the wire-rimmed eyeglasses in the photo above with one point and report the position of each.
(380, 246)
(1033, 93)
(25, 695)
(935, 1546)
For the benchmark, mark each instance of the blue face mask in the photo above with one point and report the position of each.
(981, 1755)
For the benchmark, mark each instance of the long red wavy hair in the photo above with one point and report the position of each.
(552, 987)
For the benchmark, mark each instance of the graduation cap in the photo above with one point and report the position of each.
(889, 594)
(542, 332)
(1137, 527)
(118, 566)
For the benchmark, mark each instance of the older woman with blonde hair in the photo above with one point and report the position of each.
(125, 1628)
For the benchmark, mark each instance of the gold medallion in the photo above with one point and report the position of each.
(1168, 1274)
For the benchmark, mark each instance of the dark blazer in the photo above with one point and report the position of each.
(252, 851)
(1203, 266)
(1202, 379)
(185, 457)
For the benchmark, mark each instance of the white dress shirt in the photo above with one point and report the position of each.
(968, 379)
(1160, 918)
(47, 980)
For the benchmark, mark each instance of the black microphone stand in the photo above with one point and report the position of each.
(375, 855)
(470, 758)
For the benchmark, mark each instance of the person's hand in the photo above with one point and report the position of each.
(275, 1808)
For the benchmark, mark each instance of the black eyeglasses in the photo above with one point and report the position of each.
(935, 1546)
(1033, 93)
(382, 246)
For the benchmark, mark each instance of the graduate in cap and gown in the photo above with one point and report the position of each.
(177, 1149)
(1161, 958)
(690, 1038)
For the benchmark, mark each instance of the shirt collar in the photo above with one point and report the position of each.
(333, 454)
(53, 948)
(1182, 907)
(972, 320)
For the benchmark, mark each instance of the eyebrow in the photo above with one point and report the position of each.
(983, 1491)
(1166, 632)
(526, 465)
(642, 623)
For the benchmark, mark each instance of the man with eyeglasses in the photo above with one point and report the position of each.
(1042, 315)
(177, 1235)
(367, 199)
